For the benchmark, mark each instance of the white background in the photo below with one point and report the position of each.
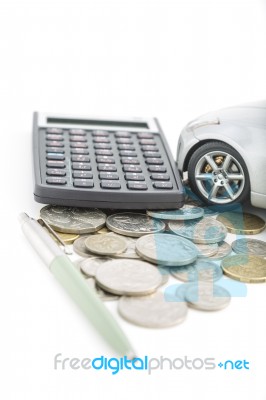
(170, 59)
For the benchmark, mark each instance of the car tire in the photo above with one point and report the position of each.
(211, 170)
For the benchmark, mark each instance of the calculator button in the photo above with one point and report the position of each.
(124, 141)
(134, 177)
(154, 161)
(54, 137)
(104, 146)
(81, 145)
(79, 151)
(163, 185)
(156, 168)
(101, 140)
(80, 158)
(56, 172)
(104, 153)
(137, 186)
(80, 132)
(82, 174)
(56, 181)
(131, 168)
(108, 175)
(149, 148)
(149, 142)
(110, 185)
(127, 153)
(145, 135)
(87, 183)
(126, 147)
(81, 165)
(100, 133)
(160, 177)
(55, 156)
(57, 131)
(147, 154)
(107, 167)
(78, 139)
(105, 159)
(129, 160)
(122, 134)
(55, 150)
(55, 164)
(54, 144)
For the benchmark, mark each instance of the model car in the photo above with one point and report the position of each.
(224, 155)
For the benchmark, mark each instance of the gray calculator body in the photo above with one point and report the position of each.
(104, 163)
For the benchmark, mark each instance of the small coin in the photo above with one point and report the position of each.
(207, 250)
(128, 277)
(245, 268)
(103, 230)
(152, 311)
(72, 219)
(176, 292)
(166, 250)
(207, 297)
(105, 296)
(242, 223)
(208, 230)
(68, 238)
(80, 248)
(134, 224)
(131, 247)
(224, 249)
(249, 246)
(200, 270)
(89, 266)
(185, 213)
(105, 244)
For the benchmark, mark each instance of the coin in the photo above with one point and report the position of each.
(152, 311)
(166, 249)
(105, 296)
(72, 219)
(242, 223)
(249, 246)
(105, 244)
(128, 277)
(224, 249)
(207, 250)
(200, 270)
(133, 224)
(185, 213)
(207, 297)
(176, 292)
(208, 230)
(103, 230)
(89, 266)
(80, 248)
(131, 247)
(245, 268)
(67, 238)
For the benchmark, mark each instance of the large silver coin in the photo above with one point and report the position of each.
(128, 277)
(207, 230)
(80, 248)
(105, 244)
(224, 249)
(207, 297)
(249, 246)
(167, 250)
(185, 213)
(152, 311)
(134, 224)
(90, 266)
(131, 247)
(207, 250)
(200, 270)
(72, 219)
(105, 296)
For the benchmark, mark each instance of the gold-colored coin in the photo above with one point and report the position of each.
(68, 238)
(242, 223)
(104, 230)
(245, 268)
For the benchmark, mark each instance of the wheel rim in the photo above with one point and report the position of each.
(219, 177)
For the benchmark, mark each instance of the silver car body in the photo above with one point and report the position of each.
(242, 127)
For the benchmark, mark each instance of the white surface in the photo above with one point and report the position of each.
(170, 59)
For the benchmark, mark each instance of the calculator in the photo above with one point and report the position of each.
(104, 162)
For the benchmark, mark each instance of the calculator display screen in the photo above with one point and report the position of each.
(122, 124)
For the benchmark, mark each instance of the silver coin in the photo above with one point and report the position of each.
(128, 277)
(200, 270)
(176, 292)
(152, 311)
(131, 247)
(249, 246)
(105, 244)
(72, 219)
(207, 250)
(224, 249)
(210, 212)
(185, 213)
(167, 250)
(105, 296)
(207, 297)
(134, 224)
(80, 248)
(89, 266)
(205, 231)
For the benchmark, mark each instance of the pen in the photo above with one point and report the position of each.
(70, 278)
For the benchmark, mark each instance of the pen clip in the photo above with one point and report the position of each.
(67, 249)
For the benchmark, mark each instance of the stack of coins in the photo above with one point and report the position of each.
(129, 256)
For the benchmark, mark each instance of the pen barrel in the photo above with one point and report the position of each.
(88, 301)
